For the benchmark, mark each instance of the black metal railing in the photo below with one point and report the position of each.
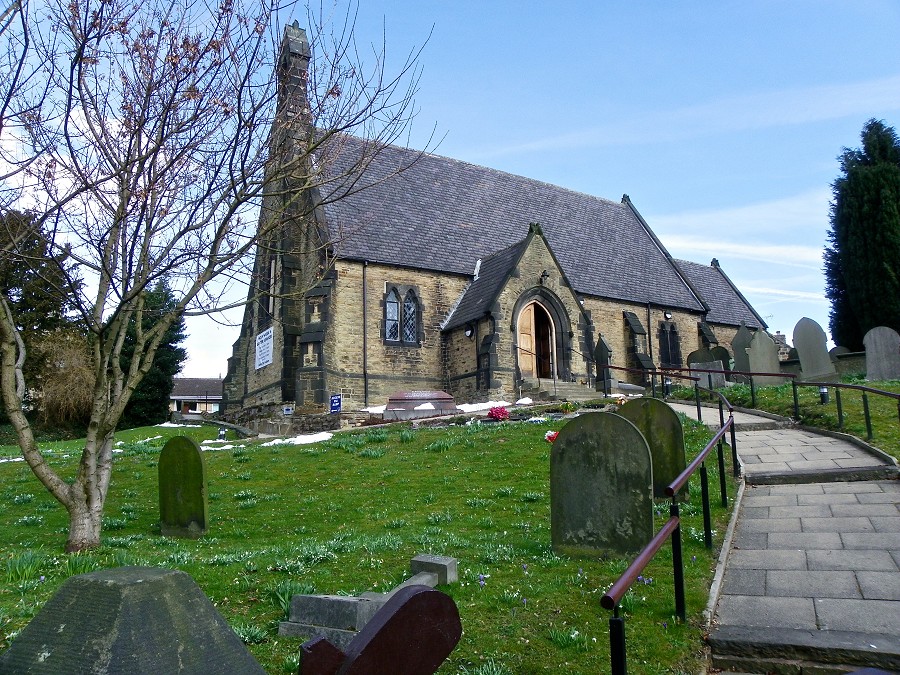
(671, 529)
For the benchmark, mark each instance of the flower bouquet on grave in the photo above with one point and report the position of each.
(550, 436)
(498, 413)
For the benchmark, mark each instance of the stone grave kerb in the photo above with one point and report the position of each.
(183, 499)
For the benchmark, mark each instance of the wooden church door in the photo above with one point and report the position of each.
(535, 338)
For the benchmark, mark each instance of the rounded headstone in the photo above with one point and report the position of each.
(601, 487)
(662, 429)
(183, 504)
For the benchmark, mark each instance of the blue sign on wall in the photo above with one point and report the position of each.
(335, 403)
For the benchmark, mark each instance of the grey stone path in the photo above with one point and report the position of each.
(811, 581)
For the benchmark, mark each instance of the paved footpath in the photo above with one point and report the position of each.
(811, 581)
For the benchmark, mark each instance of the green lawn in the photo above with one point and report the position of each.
(345, 516)
(883, 410)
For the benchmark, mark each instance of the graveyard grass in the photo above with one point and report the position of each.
(883, 410)
(345, 516)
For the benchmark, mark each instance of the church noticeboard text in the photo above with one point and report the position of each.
(264, 348)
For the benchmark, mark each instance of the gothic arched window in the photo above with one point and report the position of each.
(402, 317)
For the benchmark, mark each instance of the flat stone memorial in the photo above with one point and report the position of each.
(183, 505)
(661, 428)
(709, 380)
(136, 620)
(882, 354)
(601, 487)
(810, 343)
(763, 356)
(739, 345)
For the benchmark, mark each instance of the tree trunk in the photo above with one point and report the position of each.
(84, 526)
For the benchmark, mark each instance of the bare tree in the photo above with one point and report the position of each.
(151, 132)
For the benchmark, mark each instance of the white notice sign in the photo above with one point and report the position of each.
(264, 348)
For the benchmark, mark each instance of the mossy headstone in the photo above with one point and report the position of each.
(140, 620)
(661, 428)
(183, 505)
(601, 487)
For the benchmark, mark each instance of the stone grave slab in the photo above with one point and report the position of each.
(763, 356)
(661, 428)
(882, 354)
(739, 346)
(183, 506)
(136, 620)
(810, 342)
(601, 487)
(405, 405)
(709, 380)
(413, 633)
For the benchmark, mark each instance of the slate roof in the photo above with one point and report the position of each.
(443, 214)
(727, 305)
(483, 291)
(197, 388)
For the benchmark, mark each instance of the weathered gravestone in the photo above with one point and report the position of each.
(739, 346)
(413, 633)
(763, 356)
(182, 489)
(135, 620)
(720, 353)
(601, 487)
(661, 428)
(606, 378)
(882, 354)
(810, 343)
(709, 380)
(702, 355)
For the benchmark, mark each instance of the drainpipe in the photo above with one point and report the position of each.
(364, 340)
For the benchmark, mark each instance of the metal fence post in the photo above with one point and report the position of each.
(697, 398)
(677, 565)
(722, 486)
(840, 408)
(868, 417)
(752, 392)
(618, 665)
(796, 400)
(704, 494)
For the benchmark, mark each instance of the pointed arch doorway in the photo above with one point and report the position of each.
(536, 340)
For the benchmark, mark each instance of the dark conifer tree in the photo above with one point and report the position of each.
(862, 261)
(149, 403)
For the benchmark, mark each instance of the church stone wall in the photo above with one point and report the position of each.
(461, 362)
(390, 367)
(525, 280)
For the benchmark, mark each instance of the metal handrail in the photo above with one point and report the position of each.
(671, 528)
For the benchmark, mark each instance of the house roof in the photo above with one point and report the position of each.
(443, 214)
(727, 305)
(197, 387)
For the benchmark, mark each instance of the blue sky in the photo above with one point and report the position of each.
(721, 120)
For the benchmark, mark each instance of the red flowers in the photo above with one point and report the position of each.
(550, 436)
(498, 413)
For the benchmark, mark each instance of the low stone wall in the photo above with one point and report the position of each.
(270, 419)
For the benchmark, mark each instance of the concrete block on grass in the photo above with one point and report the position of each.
(443, 566)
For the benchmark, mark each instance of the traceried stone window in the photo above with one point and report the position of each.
(402, 316)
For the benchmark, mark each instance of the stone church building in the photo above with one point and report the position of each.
(450, 276)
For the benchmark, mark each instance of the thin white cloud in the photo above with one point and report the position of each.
(690, 247)
(758, 110)
(786, 294)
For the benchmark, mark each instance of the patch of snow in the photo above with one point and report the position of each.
(300, 440)
(147, 440)
(374, 409)
(425, 406)
(174, 425)
(474, 407)
(524, 401)
(11, 459)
